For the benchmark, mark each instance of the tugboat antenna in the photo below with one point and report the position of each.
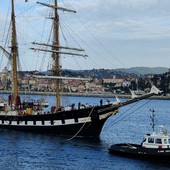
(153, 119)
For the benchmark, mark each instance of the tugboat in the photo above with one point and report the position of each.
(155, 146)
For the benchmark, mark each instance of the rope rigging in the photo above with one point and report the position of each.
(48, 40)
(101, 44)
(123, 116)
(7, 37)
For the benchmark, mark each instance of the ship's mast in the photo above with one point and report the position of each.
(14, 53)
(57, 55)
(56, 48)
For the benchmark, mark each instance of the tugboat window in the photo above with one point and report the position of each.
(165, 141)
(150, 140)
(158, 141)
(169, 141)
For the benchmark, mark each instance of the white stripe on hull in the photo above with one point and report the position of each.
(84, 119)
(53, 123)
(13, 122)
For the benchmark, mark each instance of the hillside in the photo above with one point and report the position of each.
(144, 70)
(119, 73)
(108, 73)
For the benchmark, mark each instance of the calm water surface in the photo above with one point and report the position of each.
(19, 150)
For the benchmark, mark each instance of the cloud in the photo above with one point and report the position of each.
(125, 18)
(130, 19)
(124, 26)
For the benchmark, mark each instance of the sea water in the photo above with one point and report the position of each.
(21, 150)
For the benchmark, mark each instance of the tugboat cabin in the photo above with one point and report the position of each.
(160, 140)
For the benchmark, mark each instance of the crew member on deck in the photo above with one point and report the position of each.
(79, 104)
(10, 100)
(101, 102)
(72, 106)
(18, 102)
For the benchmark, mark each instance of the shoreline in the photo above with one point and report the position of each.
(109, 95)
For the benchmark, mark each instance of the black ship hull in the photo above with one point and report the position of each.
(139, 152)
(79, 122)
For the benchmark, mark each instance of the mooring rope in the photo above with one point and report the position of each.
(82, 126)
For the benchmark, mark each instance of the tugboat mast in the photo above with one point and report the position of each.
(153, 119)
(14, 53)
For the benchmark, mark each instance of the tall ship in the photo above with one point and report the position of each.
(30, 116)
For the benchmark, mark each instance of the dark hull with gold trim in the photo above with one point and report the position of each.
(82, 122)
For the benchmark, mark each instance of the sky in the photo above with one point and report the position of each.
(114, 33)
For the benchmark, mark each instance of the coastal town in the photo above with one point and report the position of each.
(95, 85)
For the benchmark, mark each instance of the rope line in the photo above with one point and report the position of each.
(117, 121)
(82, 126)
